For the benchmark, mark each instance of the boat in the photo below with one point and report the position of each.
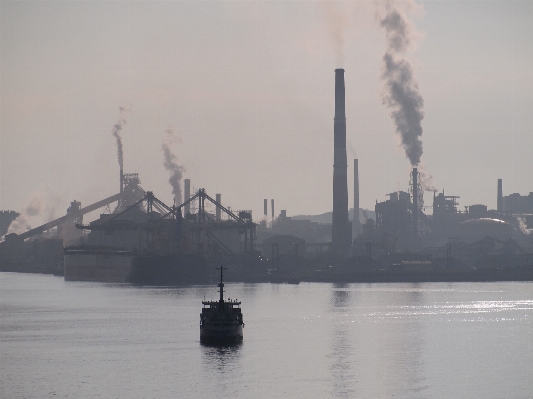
(221, 321)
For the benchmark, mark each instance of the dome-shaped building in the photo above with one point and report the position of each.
(476, 229)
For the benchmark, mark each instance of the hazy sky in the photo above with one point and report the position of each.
(248, 87)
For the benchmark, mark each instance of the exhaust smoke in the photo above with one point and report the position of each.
(116, 134)
(336, 18)
(401, 92)
(36, 207)
(170, 164)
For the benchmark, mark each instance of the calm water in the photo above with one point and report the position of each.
(434, 340)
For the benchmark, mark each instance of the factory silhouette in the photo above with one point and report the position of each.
(145, 241)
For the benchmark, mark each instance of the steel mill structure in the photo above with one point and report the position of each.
(145, 241)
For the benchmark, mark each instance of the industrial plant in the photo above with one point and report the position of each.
(142, 240)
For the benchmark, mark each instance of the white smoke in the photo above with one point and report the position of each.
(34, 208)
(351, 149)
(426, 179)
(42, 208)
(171, 165)
(522, 225)
(116, 134)
(337, 21)
(19, 225)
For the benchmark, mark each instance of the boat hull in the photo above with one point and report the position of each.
(221, 333)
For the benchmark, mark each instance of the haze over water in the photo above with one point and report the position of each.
(430, 340)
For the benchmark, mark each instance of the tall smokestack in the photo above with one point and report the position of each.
(355, 222)
(218, 214)
(266, 207)
(499, 203)
(187, 189)
(272, 206)
(340, 229)
(415, 201)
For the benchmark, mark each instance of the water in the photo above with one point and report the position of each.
(430, 340)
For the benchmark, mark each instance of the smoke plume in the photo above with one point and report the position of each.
(336, 18)
(426, 179)
(34, 208)
(19, 225)
(175, 170)
(116, 133)
(401, 92)
(351, 149)
(522, 225)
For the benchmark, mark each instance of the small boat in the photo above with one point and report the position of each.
(221, 321)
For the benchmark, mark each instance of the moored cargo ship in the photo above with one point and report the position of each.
(116, 266)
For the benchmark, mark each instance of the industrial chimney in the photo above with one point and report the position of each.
(340, 230)
(415, 202)
(187, 189)
(355, 221)
(266, 207)
(499, 203)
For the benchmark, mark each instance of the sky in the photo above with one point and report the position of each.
(247, 90)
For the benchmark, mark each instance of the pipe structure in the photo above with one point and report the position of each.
(187, 193)
(63, 219)
(355, 221)
(340, 229)
(499, 201)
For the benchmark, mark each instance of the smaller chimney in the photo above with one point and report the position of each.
(187, 189)
(499, 201)
(218, 213)
(266, 207)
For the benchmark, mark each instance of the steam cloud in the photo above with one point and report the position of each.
(401, 93)
(175, 170)
(19, 225)
(116, 133)
(426, 179)
(336, 19)
(351, 149)
(34, 208)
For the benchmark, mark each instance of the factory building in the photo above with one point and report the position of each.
(283, 244)
(394, 218)
(311, 232)
(518, 204)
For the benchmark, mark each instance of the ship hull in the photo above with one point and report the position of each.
(222, 334)
(114, 266)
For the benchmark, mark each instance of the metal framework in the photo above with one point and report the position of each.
(205, 224)
(202, 228)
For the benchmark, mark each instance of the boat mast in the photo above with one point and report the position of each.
(221, 285)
